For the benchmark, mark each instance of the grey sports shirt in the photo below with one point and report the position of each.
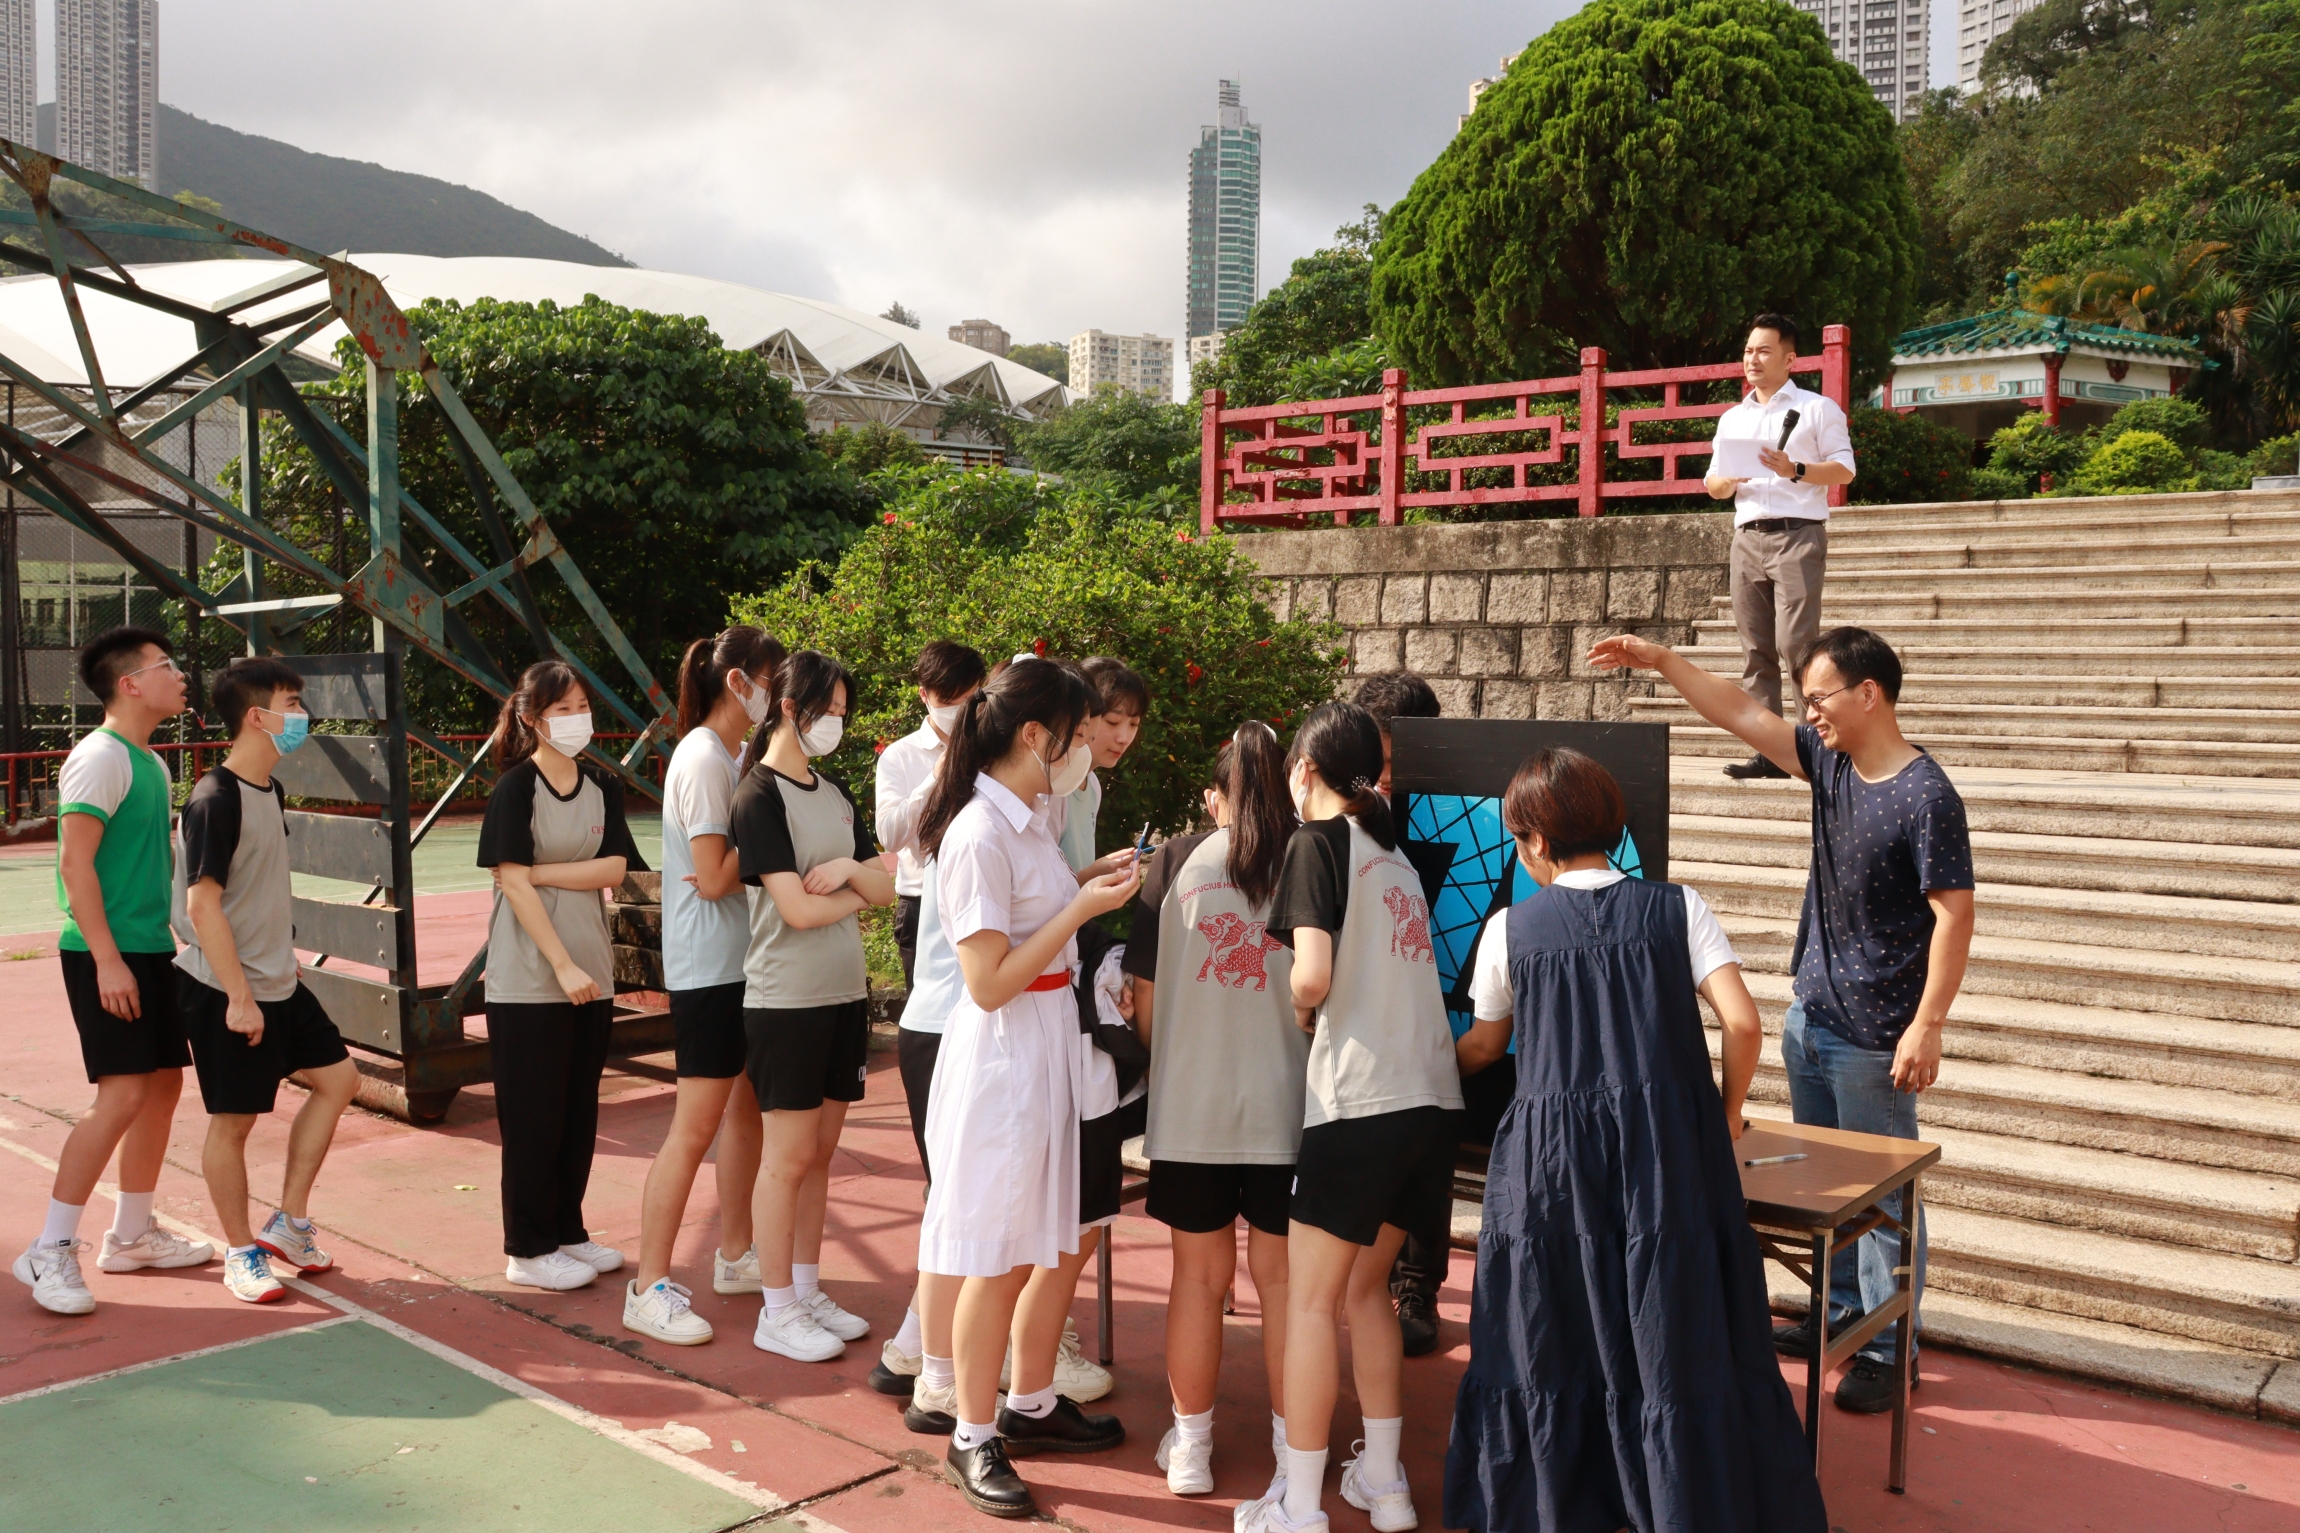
(236, 833)
(529, 823)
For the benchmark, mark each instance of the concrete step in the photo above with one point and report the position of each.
(2037, 603)
(2218, 928)
(2039, 632)
(2183, 572)
(2262, 874)
(2110, 546)
(1920, 720)
(2081, 974)
(1925, 663)
(2175, 516)
(2212, 693)
(2152, 754)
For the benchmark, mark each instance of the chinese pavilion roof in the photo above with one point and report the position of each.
(2026, 330)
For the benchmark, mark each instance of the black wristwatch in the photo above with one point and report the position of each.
(1800, 471)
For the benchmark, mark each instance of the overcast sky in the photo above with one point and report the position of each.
(1024, 160)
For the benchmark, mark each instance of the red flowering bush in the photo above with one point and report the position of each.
(1901, 459)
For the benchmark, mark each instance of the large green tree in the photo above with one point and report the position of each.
(1310, 336)
(1648, 175)
(1118, 443)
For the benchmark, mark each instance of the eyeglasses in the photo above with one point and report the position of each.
(168, 664)
(1814, 700)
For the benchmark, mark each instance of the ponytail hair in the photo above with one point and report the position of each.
(540, 685)
(1344, 744)
(703, 669)
(1024, 691)
(1250, 773)
(809, 681)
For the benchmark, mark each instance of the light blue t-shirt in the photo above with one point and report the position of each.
(703, 940)
(936, 985)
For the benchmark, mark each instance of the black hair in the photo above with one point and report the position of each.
(949, 669)
(540, 685)
(809, 681)
(1391, 695)
(1780, 324)
(1859, 656)
(1344, 744)
(249, 683)
(1026, 691)
(703, 669)
(1250, 772)
(1569, 800)
(115, 652)
(1118, 687)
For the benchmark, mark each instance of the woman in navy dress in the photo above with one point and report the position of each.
(1621, 1357)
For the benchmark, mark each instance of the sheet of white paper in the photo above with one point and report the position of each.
(1736, 458)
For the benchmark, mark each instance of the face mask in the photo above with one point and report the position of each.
(945, 715)
(822, 736)
(295, 728)
(568, 732)
(754, 702)
(1064, 780)
(1300, 790)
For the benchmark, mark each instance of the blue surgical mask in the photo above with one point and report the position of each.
(295, 729)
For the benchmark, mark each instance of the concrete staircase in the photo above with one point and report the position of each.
(2115, 687)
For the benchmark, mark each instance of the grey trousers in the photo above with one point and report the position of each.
(1776, 603)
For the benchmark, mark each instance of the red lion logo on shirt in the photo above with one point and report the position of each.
(1410, 936)
(1238, 949)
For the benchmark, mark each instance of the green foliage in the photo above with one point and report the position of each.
(1309, 332)
(1068, 573)
(2277, 455)
(2216, 470)
(1647, 176)
(2136, 463)
(866, 449)
(2179, 421)
(1121, 444)
(1907, 458)
(978, 418)
(1049, 357)
(1995, 484)
(2031, 447)
(1932, 144)
(1343, 373)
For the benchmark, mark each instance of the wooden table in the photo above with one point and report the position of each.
(1807, 1210)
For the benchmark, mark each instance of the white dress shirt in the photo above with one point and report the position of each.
(1820, 436)
(905, 774)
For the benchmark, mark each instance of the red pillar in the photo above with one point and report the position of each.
(1592, 433)
(1393, 445)
(2052, 389)
(1837, 383)
(1210, 459)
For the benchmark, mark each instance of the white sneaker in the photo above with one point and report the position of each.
(298, 1248)
(1074, 1375)
(738, 1276)
(794, 1334)
(1188, 1462)
(154, 1248)
(1267, 1514)
(664, 1311)
(52, 1272)
(554, 1270)
(248, 1277)
(597, 1257)
(1390, 1506)
(844, 1324)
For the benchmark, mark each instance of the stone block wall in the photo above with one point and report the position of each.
(1499, 615)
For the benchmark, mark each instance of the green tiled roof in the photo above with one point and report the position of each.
(2027, 330)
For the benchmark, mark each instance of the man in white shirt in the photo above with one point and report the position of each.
(947, 673)
(1780, 516)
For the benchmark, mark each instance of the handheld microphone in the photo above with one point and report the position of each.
(1788, 424)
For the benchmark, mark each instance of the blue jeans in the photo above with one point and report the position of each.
(1836, 1084)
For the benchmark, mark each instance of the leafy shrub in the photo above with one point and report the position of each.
(2221, 470)
(2178, 421)
(1995, 484)
(872, 446)
(1907, 458)
(2032, 446)
(1119, 443)
(2136, 463)
(2277, 455)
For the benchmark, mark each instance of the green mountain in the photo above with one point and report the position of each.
(327, 203)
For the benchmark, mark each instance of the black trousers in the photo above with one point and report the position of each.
(547, 1061)
(1428, 1251)
(914, 1055)
(906, 933)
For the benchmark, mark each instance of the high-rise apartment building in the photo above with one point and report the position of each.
(1979, 23)
(1140, 364)
(1478, 88)
(20, 90)
(1225, 219)
(983, 335)
(108, 87)
(1888, 41)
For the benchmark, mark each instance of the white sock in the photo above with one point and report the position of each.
(807, 1278)
(1305, 1483)
(910, 1341)
(1278, 1438)
(1196, 1428)
(937, 1372)
(779, 1299)
(63, 1223)
(132, 1216)
(972, 1434)
(230, 1251)
(1035, 1404)
(1378, 1464)
(301, 1226)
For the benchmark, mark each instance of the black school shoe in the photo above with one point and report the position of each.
(888, 1382)
(1064, 1429)
(1417, 1323)
(1759, 765)
(1867, 1387)
(988, 1481)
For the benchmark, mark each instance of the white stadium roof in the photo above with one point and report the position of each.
(846, 365)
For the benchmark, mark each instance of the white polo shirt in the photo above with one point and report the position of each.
(1820, 436)
(905, 774)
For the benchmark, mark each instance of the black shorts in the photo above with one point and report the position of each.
(800, 1057)
(707, 1032)
(1102, 1160)
(1198, 1197)
(914, 1055)
(237, 1076)
(110, 1045)
(1354, 1176)
(906, 933)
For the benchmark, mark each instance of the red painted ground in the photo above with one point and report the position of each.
(2006, 1449)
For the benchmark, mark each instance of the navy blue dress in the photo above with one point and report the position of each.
(1621, 1358)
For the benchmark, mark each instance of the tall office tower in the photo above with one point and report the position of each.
(20, 104)
(1888, 41)
(1140, 364)
(1979, 23)
(108, 87)
(1225, 219)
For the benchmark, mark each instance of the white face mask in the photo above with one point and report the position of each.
(822, 736)
(568, 732)
(754, 701)
(945, 715)
(1299, 788)
(1064, 780)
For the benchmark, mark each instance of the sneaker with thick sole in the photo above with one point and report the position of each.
(591, 1254)
(738, 1276)
(154, 1248)
(553, 1270)
(664, 1310)
(1391, 1507)
(248, 1275)
(844, 1324)
(897, 1371)
(1075, 1376)
(52, 1272)
(932, 1412)
(794, 1334)
(1188, 1462)
(298, 1248)
(1267, 1514)
(1064, 1429)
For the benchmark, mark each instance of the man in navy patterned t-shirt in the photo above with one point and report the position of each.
(1884, 935)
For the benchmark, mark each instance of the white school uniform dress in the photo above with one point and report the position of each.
(1002, 1120)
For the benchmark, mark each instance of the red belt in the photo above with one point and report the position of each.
(1056, 981)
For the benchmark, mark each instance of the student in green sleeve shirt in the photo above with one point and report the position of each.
(114, 871)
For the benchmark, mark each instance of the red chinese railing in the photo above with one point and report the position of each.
(1265, 463)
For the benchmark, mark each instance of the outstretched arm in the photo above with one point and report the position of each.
(1714, 698)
